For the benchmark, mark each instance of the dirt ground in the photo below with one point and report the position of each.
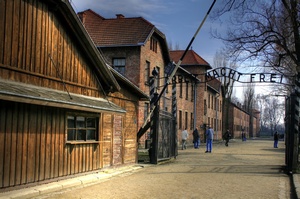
(251, 169)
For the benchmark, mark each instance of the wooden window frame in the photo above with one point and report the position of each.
(84, 129)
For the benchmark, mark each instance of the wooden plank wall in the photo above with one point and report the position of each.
(33, 148)
(31, 36)
(117, 140)
(130, 129)
(32, 138)
(107, 139)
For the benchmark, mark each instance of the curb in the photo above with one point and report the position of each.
(296, 184)
(81, 181)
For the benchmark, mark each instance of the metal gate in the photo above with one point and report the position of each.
(291, 133)
(167, 137)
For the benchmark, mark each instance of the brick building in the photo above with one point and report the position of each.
(207, 102)
(238, 121)
(133, 47)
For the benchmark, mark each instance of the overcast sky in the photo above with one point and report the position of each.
(177, 19)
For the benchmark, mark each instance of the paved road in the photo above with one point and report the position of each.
(251, 169)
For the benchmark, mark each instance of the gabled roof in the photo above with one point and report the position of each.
(121, 31)
(215, 85)
(118, 31)
(191, 58)
(67, 14)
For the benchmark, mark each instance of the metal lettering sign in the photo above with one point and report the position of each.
(235, 75)
(244, 77)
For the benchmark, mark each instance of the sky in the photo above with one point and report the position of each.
(177, 19)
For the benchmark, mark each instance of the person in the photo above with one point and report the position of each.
(196, 138)
(209, 139)
(276, 140)
(227, 137)
(184, 137)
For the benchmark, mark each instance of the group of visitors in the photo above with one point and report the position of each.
(209, 138)
(196, 138)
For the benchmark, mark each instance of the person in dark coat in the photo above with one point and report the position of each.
(196, 138)
(227, 137)
(276, 140)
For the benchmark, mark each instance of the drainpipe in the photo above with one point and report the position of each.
(217, 107)
(195, 105)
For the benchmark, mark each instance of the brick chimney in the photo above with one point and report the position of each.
(120, 16)
(82, 17)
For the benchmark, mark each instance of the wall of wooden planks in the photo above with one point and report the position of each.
(128, 102)
(37, 48)
(33, 145)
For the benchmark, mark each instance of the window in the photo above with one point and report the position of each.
(186, 120)
(147, 72)
(192, 92)
(119, 65)
(82, 128)
(205, 107)
(215, 124)
(180, 120)
(158, 77)
(187, 91)
(192, 121)
(215, 104)
(153, 44)
(208, 100)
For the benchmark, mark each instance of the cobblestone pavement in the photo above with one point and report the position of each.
(251, 169)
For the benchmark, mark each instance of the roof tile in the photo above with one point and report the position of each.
(191, 58)
(119, 31)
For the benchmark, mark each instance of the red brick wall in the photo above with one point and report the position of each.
(136, 58)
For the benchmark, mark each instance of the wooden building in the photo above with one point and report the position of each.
(128, 98)
(57, 112)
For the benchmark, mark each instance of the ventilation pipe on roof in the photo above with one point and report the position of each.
(120, 16)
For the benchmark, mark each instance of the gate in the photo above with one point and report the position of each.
(291, 135)
(167, 144)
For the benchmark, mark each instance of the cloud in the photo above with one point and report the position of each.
(129, 8)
